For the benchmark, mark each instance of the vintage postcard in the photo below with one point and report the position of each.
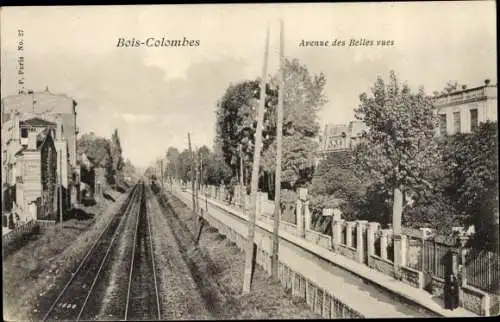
(249, 161)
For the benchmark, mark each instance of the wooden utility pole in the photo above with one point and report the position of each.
(277, 180)
(247, 278)
(60, 189)
(241, 166)
(197, 178)
(161, 165)
(192, 172)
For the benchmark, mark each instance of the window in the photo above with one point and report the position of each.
(24, 132)
(474, 121)
(456, 122)
(442, 124)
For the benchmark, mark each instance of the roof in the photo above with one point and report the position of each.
(37, 122)
(42, 136)
(40, 139)
(461, 90)
(21, 150)
(335, 129)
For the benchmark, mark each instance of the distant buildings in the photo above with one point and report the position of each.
(340, 137)
(459, 111)
(38, 152)
(462, 110)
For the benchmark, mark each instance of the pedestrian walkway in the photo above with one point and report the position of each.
(372, 304)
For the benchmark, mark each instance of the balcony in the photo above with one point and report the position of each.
(461, 97)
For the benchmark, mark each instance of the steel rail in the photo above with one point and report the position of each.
(101, 266)
(153, 260)
(132, 264)
(74, 274)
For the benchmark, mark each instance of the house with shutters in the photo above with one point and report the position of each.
(461, 110)
(35, 161)
(53, 108)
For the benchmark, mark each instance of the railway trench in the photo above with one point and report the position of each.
(153, 269)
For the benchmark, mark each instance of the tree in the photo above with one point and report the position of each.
(235, 122)
(400, 145)
(471, 163)
(303, 98)
(98, 151)
(116, 157)
(203, 155)
(172, 167)
(129, 170)
(184, 162)
(337, 178)
(217, 170)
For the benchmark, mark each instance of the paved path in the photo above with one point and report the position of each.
(372, 304)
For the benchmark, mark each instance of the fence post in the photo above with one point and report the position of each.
(258, 204)
(307, 215)
(403, 251)
(463, 260)
(485, 305)
(383, 244)
(373, 227)
(348, 238)
(236, 194)
(488, 268)
(337, 233)
(360, 247)
(300, 219)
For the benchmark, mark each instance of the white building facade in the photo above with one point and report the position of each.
(462, 111)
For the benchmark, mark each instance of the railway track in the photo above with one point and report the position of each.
(73, 298)
(143, 301)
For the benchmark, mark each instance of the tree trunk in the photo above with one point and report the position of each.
(397, 212)
(247, 278)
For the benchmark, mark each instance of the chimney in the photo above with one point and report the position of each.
(59, 130)
(32, 140)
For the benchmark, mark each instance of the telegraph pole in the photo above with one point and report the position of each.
(60, 189)
(192, 172)
(277, 180)
(197, 178)
(247, 278)
(241, 165)
(243, 192)
(161, 165)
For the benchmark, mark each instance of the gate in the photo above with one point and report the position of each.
(437, 258)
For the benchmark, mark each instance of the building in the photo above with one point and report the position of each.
(32, 193)
(53, 108)
(34, 160)
(462, 110)
(340, 137)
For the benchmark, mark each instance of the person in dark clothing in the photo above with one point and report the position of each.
(451, 285)
(453, 292)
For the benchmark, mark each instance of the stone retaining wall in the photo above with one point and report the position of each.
(382, 265)
(320, 301)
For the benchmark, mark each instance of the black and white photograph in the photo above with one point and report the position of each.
(249, 161)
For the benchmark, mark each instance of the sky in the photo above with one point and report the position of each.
(154, 96)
